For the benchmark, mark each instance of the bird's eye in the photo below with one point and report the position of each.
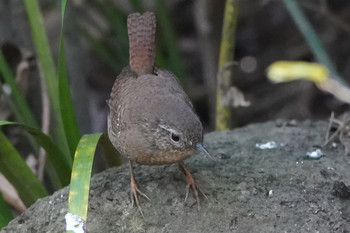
(175, 137)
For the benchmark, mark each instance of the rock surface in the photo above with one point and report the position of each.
(248, 189)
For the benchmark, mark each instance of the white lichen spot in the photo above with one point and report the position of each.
(268, 145)
(270, 193)
(315, 154)
(75, 223)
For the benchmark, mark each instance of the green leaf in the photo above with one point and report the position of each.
(48, 68)
(55, 156)
(43, 50)
(5, 213)
(311, 38)
(65, 100)
(168, 32)
(16, 171)
(63, 12)
(136, 5)
(113, 52)
(19, 106)
(81, 172)
(106, 54)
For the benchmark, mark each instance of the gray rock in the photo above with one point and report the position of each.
(248, 189)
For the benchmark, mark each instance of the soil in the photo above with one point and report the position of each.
(248, 189)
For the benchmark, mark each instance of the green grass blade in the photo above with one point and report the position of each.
(311, 38)
(113, 52)
(81, 173)
(55, 156)
(100, 48)
(67, 110)
(117, 21)
(63, 11)
(172, 47)
(16, 171)
(14, 108)
(43, 50)
(48, 67)
(66, 106)
(5, 213)
(20, 106)
(136, 5)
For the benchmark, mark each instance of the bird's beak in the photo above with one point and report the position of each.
(202, 148)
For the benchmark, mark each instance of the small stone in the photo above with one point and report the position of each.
(270, 193)
(292, 123)
(222, 156)
(340, 190)
(279, 123)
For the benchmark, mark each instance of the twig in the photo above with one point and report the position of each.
(45, 125)
(342, 131)
(329, 129)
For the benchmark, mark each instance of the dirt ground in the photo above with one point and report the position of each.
(248, 189)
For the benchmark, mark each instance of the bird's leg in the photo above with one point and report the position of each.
(191, 184)
(135, 190)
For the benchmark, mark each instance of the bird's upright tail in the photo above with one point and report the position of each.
(141, 30)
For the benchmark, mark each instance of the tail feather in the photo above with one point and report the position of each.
(141, 30)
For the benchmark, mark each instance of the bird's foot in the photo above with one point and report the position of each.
(134, 194)
(191, 184)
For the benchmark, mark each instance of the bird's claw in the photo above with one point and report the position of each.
(191, 184)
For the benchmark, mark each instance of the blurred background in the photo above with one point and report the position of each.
(188, 39)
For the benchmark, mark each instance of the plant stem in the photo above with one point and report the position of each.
(311, 37)
(223, 113)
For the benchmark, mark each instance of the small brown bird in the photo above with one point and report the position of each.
(151, 119)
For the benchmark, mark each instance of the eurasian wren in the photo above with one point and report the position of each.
(151, 119)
